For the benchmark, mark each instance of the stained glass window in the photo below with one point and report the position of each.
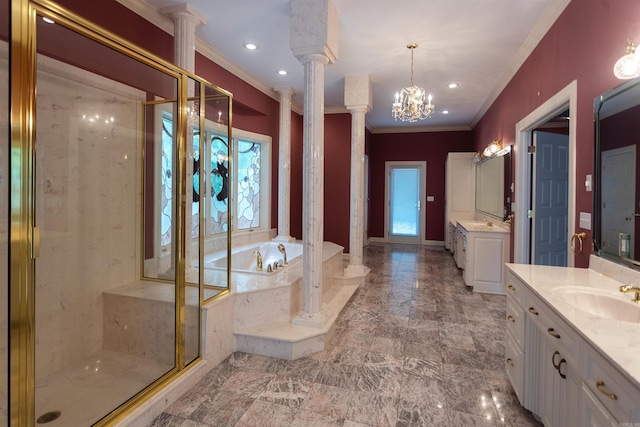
(248, 184)
(166, 190)
(195, 203)
(219, 182)
(215, 188)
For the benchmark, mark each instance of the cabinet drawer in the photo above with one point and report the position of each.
(560, 336)
(514, 365)
(515, 321)
(593, 413)
(611, 388)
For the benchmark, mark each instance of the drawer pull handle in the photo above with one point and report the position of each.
(533, 311)
(511, 288)
(510, 362)
(510, 318)
(553, 333)
(553, 359)
(600, 387)
(563, 376)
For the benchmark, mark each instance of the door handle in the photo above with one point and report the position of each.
(418, 204)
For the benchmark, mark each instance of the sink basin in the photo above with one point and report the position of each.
(601, 303)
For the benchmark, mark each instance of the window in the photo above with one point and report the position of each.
(252, 171)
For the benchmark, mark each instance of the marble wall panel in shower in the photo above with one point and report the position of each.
(88, 157)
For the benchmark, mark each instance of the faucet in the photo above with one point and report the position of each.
(258, 255)
(283, 251)
(631, 288)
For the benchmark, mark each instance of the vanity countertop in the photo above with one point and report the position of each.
(471, 225)
(618, 341)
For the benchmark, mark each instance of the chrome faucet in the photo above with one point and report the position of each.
(258, 256)
(630, 288)
(283, 251)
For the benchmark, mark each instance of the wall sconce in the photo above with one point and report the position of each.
(492, 149)
(628, 66)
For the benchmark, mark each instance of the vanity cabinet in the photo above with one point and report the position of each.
(483, 252)
(556, 373)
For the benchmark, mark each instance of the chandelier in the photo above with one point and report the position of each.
(412, 103)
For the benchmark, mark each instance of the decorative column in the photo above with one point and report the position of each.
(186, 19)
(358, 100)
(314, 41)
(284, 166)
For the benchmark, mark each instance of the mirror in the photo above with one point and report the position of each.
(616, 210)
(493, 184)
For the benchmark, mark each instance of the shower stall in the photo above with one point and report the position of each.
(107, 217)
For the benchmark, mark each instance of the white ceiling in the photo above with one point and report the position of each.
(476, 43)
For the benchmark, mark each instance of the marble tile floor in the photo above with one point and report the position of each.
(414, 347)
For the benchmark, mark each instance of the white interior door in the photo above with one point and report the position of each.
(404, 205)
(619, 190)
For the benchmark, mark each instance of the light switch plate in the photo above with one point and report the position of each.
(585, 220)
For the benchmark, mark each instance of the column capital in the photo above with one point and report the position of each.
(285, 90)
(358, 93)
(186, 12)
(314, 29)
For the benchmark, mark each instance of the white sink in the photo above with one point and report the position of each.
(602, 303)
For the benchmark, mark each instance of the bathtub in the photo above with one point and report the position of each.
(244, 273)
(244, 260)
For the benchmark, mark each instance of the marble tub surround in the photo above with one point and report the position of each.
(414, 346)
(617, 341)
(265, 312)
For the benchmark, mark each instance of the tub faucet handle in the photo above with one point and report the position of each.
(258, 256)
(269, 269)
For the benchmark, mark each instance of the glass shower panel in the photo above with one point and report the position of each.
(216, 173)
(4, 210)
(102, 333)
(192, 226)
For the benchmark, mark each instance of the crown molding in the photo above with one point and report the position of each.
(550, 15)
(420, 129)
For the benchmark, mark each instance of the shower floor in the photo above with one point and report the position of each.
(86, 392)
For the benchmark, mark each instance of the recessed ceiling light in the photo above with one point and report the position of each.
(445, 111)
(48, 20)
(250, 46)
(453, 85)
(282, 72)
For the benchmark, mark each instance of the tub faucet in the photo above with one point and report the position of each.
(631, 288)
(258, 256)
(283, 251)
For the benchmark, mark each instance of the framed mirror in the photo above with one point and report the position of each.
(616, 211)
(493, 184)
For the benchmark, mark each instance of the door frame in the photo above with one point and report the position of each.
(422, 197)
(565, 98)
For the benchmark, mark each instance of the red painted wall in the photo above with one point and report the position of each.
(582, 45)
(337, 178)
(431, 147)
(297, 127)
